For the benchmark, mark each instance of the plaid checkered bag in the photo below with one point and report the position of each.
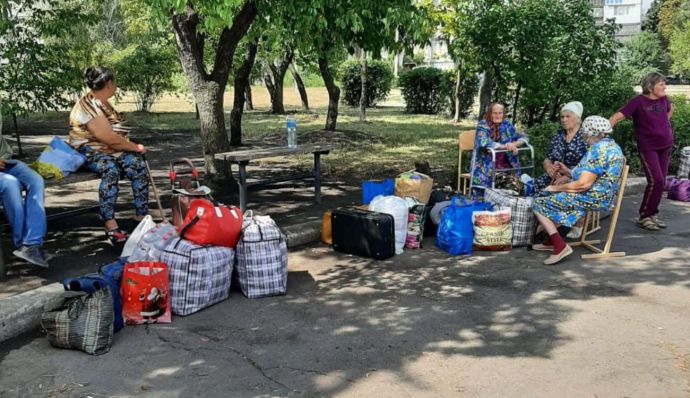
(261, 257)
(522, 218)
(684, 168)
(83, 322)
(200, 276)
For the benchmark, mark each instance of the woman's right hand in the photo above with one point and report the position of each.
(141, 149)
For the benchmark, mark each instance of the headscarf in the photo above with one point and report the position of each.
(594, 126)
(493, 127)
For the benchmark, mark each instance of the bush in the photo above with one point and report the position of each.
(540, 136)
(379, 81)
(425, 90)
(146, 70)
(468, 90)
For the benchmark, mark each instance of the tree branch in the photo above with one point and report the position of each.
(229, 39)
(188, 46)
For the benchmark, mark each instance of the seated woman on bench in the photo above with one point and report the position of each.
(592, 185)
(26, 216)
(100, 133)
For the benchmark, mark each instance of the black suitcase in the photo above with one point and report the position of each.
(363, 233)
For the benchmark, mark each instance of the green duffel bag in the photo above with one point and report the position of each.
(83, 322)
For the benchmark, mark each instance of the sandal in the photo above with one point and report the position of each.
(658, 222)
(116, 236)
(648, 224)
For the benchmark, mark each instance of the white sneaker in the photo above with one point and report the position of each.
(574, 233)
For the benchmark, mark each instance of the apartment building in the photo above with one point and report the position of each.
(626, 13)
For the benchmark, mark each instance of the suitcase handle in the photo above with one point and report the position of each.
(186, 162)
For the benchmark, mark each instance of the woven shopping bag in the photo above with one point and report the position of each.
(522, 217)
(83, 322)
(261, 257)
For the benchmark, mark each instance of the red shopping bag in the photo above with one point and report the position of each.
(145, 294)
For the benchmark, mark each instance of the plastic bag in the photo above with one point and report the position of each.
(145, 293)
(679, 189)
(492, 230)
(415, 185)
(372, 189)
(152, 244)
(144, 226)
(455, 233)
(61, 156)
(396, 207)
(415, 223)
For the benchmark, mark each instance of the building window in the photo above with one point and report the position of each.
(623, 10)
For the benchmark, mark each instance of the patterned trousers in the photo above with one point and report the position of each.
(111, 169)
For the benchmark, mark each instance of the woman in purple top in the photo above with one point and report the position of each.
(651, 115)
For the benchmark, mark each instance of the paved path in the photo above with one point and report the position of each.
(421, 324)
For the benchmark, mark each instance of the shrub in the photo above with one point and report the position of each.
(379, 81)
(424, 90)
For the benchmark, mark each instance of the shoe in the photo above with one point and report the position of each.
(648, 224)
(116, 236)
(542, 247)
(574, 233)
(32, 254)
(658, 222)
(554, 258)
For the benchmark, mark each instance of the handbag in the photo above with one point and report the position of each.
(679, 189)
(211, 223)
(83, 322)
(145, 293)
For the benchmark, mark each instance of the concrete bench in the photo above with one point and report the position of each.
(243, 157)
(80, 176)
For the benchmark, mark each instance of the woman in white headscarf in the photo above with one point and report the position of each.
(593, 185)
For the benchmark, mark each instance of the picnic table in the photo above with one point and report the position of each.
(242, 158)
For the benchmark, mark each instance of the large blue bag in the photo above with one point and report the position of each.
(62, 156)
(372, 189)
(109, 275)
(455, 233)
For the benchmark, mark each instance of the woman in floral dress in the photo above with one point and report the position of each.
(593, 186)
(493, 131)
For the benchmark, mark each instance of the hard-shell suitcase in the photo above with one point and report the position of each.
(363, 233)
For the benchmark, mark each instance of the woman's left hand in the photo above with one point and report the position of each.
(551, 188)
(511, 146)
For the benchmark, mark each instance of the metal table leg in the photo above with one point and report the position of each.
(317, 177)
(243, 185)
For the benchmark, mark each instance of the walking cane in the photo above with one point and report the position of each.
(155, 191)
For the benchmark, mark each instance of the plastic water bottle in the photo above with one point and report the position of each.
(291, 125)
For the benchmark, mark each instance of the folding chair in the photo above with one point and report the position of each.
(589, 218)
(465, 143)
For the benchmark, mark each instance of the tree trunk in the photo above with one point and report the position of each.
(248, 97)
(241, 81)
(485, 91)
(333, 93)
(277, 74)
(516, 101)
(363, 95)
(208, 88)
(300, 87)
(458, 84)
(20, 151)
